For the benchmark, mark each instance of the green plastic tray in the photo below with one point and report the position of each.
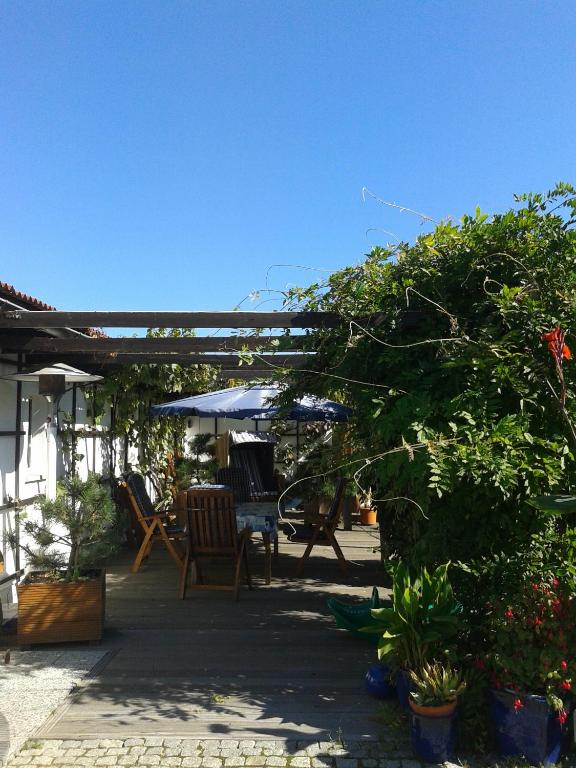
(354, 617)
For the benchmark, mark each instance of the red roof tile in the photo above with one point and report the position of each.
(8, 291)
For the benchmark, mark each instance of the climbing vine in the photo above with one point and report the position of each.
(445, 345)
(132, 389)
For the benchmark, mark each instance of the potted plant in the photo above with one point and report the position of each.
(62, 597)
(423, 618)
(433, 700)
(531, 661)
(368, 512)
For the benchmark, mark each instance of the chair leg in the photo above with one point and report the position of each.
(185, 573)
(307, 551)
(145, 548)
(342, 564)
(170, 547)
(238, 570)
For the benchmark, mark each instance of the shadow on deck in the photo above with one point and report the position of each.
(271, 666)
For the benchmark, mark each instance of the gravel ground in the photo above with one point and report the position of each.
(32, 685)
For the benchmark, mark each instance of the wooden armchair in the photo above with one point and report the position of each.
(320, 530)
(156, 526)
(212, 533)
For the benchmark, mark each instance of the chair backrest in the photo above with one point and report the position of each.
(211, 521)
(138, 495)
(238, 479)
(333, 515)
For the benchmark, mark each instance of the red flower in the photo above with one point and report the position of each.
(479, 663)
(555, 583)
(566, 685)
(517, 704)
(562, 716)
(509, 613)
(559, 350)
(564, 665)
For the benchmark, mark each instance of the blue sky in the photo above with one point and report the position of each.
(163, 155)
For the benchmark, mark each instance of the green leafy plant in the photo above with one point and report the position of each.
(423, 619)
(78, 529)
(436, 684)
(460, 412)
(131, 389)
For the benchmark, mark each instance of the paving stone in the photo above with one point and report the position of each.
(173, 751)
(300, 762)
(276, 761)
(369, 762)
(133, 742)
(321, 761)
(70, 743)
(409, 764)
(230, 752)
(346, 762)
(128, 760)
(154, 751)
(193, 762)
(106, 760)
(233, 762)
(149, 760)
(116, 751)
(110, 743)
(256, 760)
(141, 750)
(98, 752)
(153, 741)
(250, 751)
(210, 762)
(246, 743)
(172, 761)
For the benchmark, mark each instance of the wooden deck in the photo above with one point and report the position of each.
(272, 666)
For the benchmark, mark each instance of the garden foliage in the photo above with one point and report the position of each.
(445, 354)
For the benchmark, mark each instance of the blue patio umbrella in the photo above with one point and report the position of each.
(253, 402)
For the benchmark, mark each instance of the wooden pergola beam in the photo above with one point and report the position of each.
(15, 318)
(182, 344)
(225, 360)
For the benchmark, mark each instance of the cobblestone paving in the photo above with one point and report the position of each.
(231, 753)
(193, 753)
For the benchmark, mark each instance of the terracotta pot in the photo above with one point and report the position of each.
(444, 710)
(61, 612)
(368, 516)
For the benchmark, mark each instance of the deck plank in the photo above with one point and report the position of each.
(272, 665)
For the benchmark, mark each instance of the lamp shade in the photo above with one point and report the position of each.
(71, 375)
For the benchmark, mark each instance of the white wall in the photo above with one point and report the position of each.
(28, 454)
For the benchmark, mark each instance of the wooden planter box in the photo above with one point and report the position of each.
(61, 612)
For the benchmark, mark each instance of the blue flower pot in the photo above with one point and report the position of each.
(403, 688)
(533, 731)
(377, 681)
(433, 738)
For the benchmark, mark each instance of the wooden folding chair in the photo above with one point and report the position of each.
(320, 531)
(156, 526)
(212, 533)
